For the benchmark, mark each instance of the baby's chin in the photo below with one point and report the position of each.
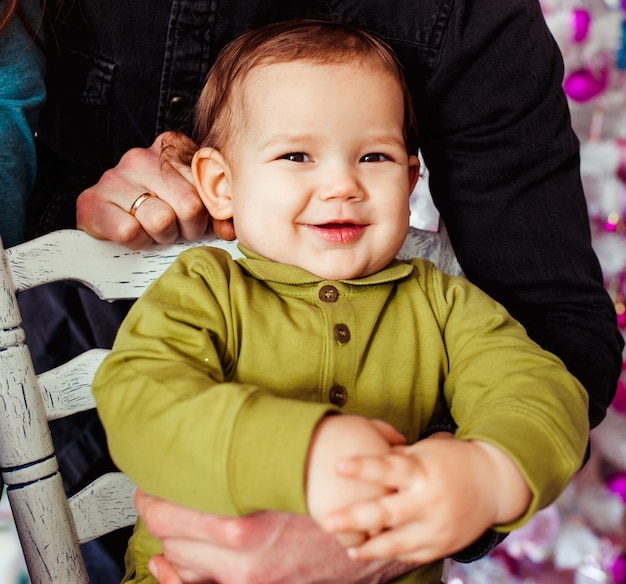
(347, 272)
(328, 264)
(343, 264)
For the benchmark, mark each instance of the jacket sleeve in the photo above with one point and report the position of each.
(177, 422)
(504, 172)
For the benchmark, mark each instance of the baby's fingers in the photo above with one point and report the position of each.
(399, 475)
(392, 471)
(388, 432)
(408, 543)
(396, 530)
(377, 515)
(370, 517)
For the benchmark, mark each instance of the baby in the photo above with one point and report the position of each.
(302, 377)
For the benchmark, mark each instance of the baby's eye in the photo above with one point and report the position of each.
(296, 157)
(374, 157)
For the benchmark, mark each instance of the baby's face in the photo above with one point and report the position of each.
(321, 177)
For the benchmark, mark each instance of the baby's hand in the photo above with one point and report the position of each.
(440, 495)
(337, 438)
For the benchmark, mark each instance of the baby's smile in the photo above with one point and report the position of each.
(337, 231)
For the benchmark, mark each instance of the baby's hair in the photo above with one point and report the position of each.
(315, 41)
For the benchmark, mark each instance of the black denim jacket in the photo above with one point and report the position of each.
(494, 125)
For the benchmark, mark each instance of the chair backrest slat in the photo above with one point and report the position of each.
(66, 389)
(113, 272)
(103, 506)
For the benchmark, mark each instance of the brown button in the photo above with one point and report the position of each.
(338, 395)
(328, 293)
(342, 333)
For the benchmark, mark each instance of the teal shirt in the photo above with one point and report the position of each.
(22, 93)
(223, 368)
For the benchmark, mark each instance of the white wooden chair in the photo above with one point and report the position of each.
(50, 526)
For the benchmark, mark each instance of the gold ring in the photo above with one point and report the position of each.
(140, 200)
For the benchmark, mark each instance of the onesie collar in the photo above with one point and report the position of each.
(268, 270)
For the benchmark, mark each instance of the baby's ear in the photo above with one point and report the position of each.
(212, 180)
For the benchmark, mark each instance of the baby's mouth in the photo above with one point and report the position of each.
(338, 231)
(337, 225)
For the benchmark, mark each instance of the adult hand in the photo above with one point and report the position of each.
(265, 548)
(176, 211)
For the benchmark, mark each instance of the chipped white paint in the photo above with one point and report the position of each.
(47, 532)
(110, 270)
(9, 312)
(67, 388)
(24, 435)
(103, 506)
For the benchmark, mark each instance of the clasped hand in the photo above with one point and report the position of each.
(435, 497)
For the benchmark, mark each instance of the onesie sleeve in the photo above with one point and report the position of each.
(178, 423)
(504, 389)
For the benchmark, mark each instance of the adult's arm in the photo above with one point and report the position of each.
(22, 92)
(504, 173)
(262, 548)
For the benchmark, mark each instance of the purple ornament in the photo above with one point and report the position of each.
(616, 483)
(621, 167)
(618, 570)
(581, 20)
(583, 85)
